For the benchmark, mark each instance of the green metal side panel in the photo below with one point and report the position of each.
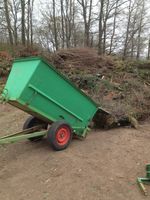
(44, 92)
(21, 73)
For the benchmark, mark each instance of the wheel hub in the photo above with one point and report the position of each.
(63, 135)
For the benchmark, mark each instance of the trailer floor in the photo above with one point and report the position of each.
(102, 167)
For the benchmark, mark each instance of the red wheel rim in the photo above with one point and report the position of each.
(63, 135)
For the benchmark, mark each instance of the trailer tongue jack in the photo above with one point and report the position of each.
(146, 180)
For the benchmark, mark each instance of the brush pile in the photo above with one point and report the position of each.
(120, 87)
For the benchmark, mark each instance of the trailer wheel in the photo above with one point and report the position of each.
(59, 135)
(31, 122)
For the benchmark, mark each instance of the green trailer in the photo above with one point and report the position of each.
(57, 107)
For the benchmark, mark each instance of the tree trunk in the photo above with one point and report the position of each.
(127, 32)
(100, 39)
(105, 26)
(8, 21)
(148, 55)
(31, 23)
(15, 10)
(89, 23)
(114, 27)
(23, 22)
(140, 30)
(55, 26)
(74, 27)
(86, 13)
(62, 23)
(132, 36)
(28, 23)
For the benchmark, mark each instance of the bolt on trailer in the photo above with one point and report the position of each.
(57, 107)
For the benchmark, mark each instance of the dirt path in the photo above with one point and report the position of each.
(102, 167)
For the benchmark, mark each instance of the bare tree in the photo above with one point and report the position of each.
(148, 55)
(30, 4)
(15, 9)
(86, 6)
(23, 37)
(105, 18)
(130, 9)
(55, 25)
(8, 21)
(28, 22)
(31, 21)
(140, 28)
(100, 39)
(114, 26)
(62, 23)
(68, 21)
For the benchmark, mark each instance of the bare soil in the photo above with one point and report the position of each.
(102, 167)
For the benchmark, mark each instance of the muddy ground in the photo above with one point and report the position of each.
(102, 167)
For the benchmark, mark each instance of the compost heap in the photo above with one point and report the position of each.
(120, 87)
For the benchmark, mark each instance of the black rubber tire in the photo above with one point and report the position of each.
(53, 130)
(31, 122)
